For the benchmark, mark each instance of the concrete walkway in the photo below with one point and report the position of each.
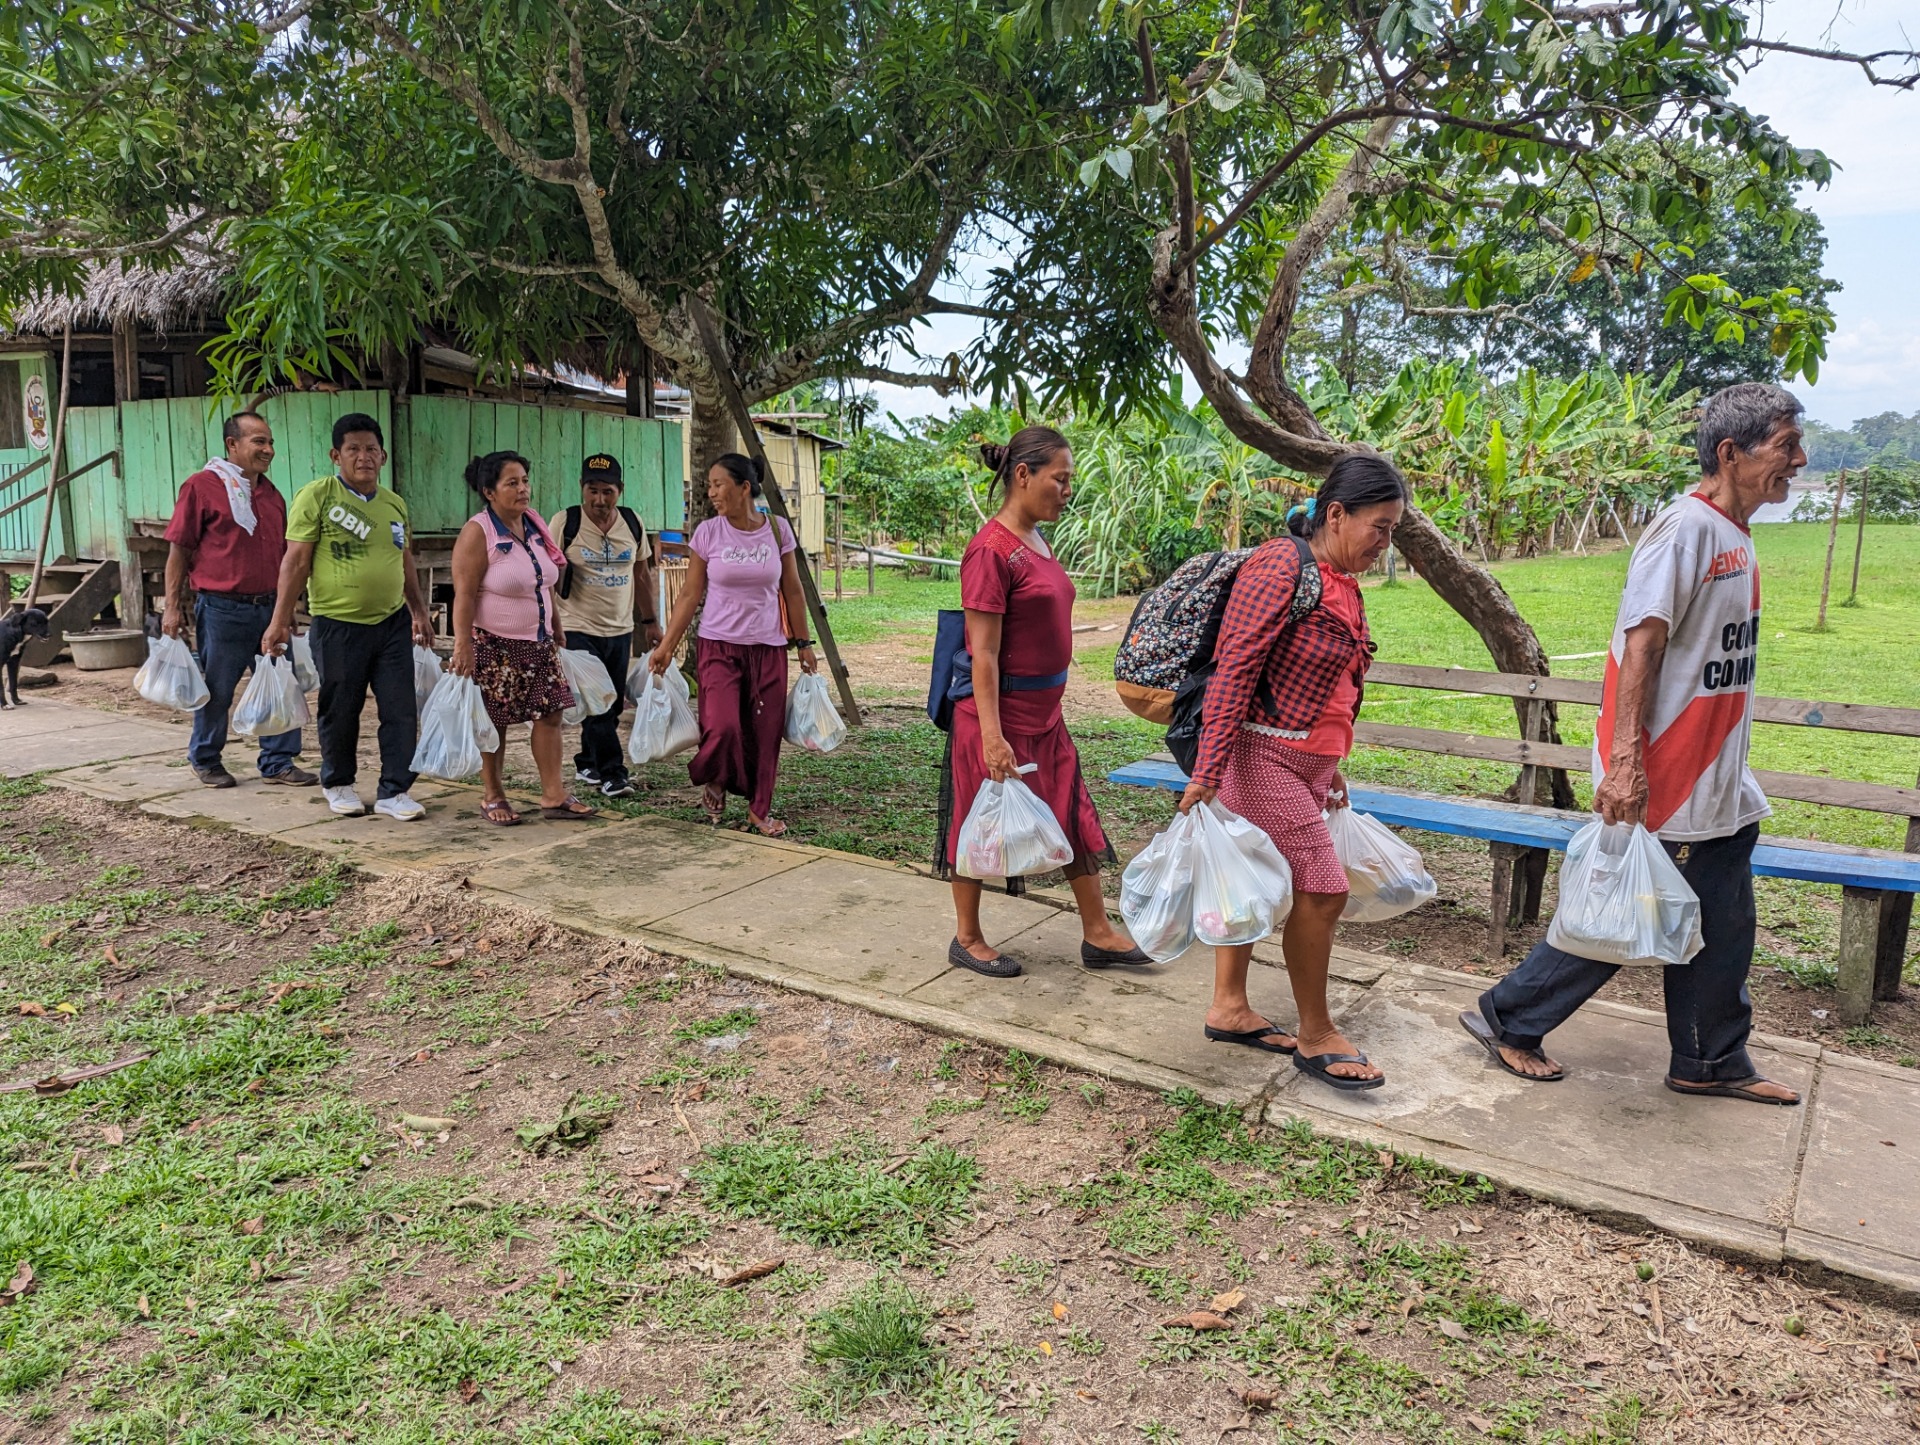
(1836, 1182)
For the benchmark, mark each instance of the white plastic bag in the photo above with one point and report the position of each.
(1242, 887)
(427, 673)
(812, 720)
(170, 676)
(1385, 876)
(273, 702)
(1010, 833)
(454, 730)
(1623, 901)
(1156, 892)
(589, 682)
(301, 651)
(663, 720)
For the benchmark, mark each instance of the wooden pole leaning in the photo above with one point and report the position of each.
(776, 503)
(1833, 532)
(59, 441)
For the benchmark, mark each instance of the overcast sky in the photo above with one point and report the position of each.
(1871, 212)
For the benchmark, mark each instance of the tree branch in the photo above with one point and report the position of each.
(1865, 62)
(1266, 367)
(24, 243)
(942, 382)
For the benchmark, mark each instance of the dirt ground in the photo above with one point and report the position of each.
(339, 1125)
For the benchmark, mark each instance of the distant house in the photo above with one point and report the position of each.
(139, 400)
(795, 452)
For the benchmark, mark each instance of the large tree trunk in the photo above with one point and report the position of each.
(1477, 596)
(713, 432)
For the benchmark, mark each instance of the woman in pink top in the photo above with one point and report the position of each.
(506, 631)
(742, 569)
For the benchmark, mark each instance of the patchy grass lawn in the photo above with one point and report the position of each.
(399, 1167)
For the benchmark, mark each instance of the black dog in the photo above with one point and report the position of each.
(15, 629)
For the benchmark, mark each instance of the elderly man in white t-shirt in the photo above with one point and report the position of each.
(1670, 751)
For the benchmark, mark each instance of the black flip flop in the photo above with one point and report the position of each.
(1093, 956)
(1001, 967)
(1316, 1065)
(1478, 1030)
(1252, 1038)
(1741, 1090)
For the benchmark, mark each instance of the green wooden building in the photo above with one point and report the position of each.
(128, 416)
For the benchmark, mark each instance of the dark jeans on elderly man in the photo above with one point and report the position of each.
(600, 752)
(1709, 1011)
(228, 631)
(351, 657)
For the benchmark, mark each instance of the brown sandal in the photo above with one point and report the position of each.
(571, 811)
(768, 827)
(500, 813)
(714, 801)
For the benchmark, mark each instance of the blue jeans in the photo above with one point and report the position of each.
(1709, 1011)
(228, 632)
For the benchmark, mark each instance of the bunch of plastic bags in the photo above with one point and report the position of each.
(170, 676)
(1385, 876)
(454, 730)
(301, 651)
(1623, 901)
(663, 720)
(813, 722)
(1211, 877)
(589, 682)
(427, 673)
(273, 702)
(1009, 833)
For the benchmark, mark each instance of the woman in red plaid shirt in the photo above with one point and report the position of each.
(1277, 721)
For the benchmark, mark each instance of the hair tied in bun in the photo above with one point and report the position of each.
(994, 455)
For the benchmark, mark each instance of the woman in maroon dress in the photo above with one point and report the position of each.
(1019, 606)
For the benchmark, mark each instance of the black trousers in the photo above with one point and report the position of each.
(600, 752)
(351, 657)
(1709, 1011)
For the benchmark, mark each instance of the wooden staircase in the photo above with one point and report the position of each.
(73, 594)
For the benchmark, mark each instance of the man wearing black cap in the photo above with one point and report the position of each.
(606, 600)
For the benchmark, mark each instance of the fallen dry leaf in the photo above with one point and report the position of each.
(112, 957)
(113, 1134)
(1199, 1320)
(1453, 1330)
(34, 1010)
(1387, 1160)
(483, 945)
(69, 1009)
(1406, 1306)
(1257, 1401)
(427, 1123)
(21, 1285)
(254, 1225)
(469, 1392)
(1044, 1348)
(145, 1309)
(1060, 1311)
(1481, 1423)
(1226, 1304)
(60, 1083)
(758, 1270)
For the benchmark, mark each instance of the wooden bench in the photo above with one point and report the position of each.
(1877, 885)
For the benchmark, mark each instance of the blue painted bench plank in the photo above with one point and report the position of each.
(1533, 828)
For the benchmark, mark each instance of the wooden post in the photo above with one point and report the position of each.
(53, 452)
(1833, 531)
(873, 528)
(126, 359)
(750, 436)
(1859, 537)
(1859, 932)
(839, 544)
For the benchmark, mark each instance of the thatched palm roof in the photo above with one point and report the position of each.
(189, 295)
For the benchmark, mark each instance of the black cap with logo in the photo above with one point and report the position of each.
(601, 468)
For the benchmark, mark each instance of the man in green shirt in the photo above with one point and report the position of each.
(350, 547)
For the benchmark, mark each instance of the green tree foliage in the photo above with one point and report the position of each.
(1888, 437)
(1891, 489)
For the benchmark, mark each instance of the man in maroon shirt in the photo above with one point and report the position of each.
(227, 536)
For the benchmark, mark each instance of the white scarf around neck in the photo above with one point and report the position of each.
(239, 492)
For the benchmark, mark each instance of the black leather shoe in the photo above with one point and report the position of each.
(294, 777)
(1001, 967)
(1094, 957)
(216, 777)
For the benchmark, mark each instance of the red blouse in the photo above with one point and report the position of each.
(1032, 592)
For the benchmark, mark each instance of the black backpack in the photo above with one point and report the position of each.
(1168, 651)
(570, 529)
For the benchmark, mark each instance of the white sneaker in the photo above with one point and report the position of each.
(345, 802)
(399, 807)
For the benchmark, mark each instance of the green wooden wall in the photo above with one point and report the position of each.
(20, 531)
(438, 435)
(161, 443)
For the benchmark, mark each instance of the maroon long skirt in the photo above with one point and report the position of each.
(743, 711)
(1058, 784)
